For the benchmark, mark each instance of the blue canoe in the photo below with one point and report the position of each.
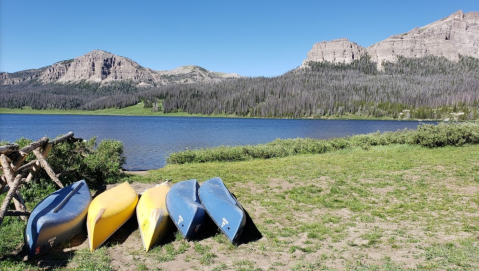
(185, 208)
(223, 208)
(57, 218)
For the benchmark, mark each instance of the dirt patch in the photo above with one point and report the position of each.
(137, 172)
(139, 187)
(462, 190)
(280, 185)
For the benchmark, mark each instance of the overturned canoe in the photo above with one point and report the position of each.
(57, 218)
(108, 212)
(185, 208)
(152, 215)
(223, 208)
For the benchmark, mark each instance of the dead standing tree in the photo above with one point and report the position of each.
(15, 172)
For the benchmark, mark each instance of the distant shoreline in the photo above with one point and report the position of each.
(138, 110)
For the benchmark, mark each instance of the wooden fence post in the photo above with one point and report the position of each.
(9, 175)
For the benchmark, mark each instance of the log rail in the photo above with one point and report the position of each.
(15, 172)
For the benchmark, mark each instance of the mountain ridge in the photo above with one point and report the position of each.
(103, 67)
(454, 35)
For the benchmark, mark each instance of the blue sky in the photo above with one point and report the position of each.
(251, 38)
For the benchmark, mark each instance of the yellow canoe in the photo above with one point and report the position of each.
(108, 211)
(153, 219)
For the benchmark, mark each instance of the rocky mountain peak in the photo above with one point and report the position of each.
(454, 35)
(96, 66)
(103, 67)
(337, 51)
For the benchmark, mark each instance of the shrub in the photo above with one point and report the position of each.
(105, 163)
(446, 134)
(83, 160)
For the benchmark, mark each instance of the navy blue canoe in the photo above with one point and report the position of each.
(57, 218)
(185, 208)
(223, 208)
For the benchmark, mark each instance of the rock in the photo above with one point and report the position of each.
(457, 34)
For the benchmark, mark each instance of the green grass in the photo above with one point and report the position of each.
(11, 234)
(396, 207)
(85, 260)
(464, 254)
(134, 110)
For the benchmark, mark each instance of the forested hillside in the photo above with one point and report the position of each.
(425, 88)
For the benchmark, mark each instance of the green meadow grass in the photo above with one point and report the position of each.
(395, 207)
(134, 110)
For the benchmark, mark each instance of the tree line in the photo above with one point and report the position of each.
(429, 87)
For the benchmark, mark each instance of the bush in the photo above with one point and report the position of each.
(86, 160)
(446, 134)
(96, 163)
(105, 163)
(34, 192)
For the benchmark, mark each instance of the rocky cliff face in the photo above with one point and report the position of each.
(450, 37)
(337, 51)
(97, 66)
(20, 77)
(104, 67)
(457, 34)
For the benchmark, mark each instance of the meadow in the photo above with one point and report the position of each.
(362, 207)
(133, 110)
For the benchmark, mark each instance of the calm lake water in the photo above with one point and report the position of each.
(148, 140)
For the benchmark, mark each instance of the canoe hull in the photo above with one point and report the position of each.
(223, 208)
(185, 207)
(57, 218)
(108, 212)
(152, 214)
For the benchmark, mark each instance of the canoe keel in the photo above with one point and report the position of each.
(223, 208)
(108, 212)
(185, 208)
(152, 215)
(57, 218)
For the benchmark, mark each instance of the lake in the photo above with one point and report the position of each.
(149, 140)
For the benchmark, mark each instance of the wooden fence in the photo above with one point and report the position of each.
(15, 171)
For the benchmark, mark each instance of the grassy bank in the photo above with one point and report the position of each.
(395, 207)
(444, 134)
